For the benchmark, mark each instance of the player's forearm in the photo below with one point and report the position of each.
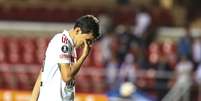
(69, 71)
(36, 89)
(76, 66)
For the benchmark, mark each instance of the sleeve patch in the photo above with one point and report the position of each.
(65, 49)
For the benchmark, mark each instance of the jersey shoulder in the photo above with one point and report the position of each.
(61, 38)
(57, 37)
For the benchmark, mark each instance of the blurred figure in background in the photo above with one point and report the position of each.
(142, 23)
(143, 20)
(112, 69)
(105, 48)
(185, 44)
(196, 51)
(128, 69)
(106, 25)
(111, 73)
(125, 39)
(181, 89)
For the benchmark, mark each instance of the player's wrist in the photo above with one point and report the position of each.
(83, 56)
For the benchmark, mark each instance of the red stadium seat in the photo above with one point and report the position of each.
(13, 50)
(96, 56)
(41, 45)
(83, 83)
(3, 53)
(33, 72)
(21, 76)
(8, 77)
(28, 50)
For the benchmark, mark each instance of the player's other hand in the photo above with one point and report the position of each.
(87, 48)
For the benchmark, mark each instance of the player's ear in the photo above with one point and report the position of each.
(78, 30)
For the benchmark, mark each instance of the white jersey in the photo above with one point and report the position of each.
(53, 88)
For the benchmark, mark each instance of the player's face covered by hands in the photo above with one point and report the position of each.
(85, 39)
(86, 48)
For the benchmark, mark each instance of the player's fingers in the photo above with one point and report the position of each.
(67, 83)
(73, 83)
(85, 42)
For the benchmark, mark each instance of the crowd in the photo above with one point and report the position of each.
(135, 54)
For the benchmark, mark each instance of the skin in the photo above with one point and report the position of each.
(36, 89)
(68, 71)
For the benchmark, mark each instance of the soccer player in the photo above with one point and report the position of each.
(56, 79)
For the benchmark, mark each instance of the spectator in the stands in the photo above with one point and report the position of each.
(143, 20)
(128, 69)
(106, 25)
(106, 47)
(112, 69)
(185, 44)
(124, 38)
(196, 51)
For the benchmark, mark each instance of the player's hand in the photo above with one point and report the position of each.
(87, 48)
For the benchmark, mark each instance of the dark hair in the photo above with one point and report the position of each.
(88, 24)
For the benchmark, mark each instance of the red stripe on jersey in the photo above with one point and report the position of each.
(67, 56)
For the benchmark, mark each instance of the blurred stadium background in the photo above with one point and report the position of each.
(151, 49)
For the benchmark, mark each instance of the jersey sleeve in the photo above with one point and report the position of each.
(64, 50)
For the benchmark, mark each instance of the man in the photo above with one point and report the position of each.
(56, 79)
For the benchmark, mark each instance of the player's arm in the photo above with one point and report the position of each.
(68, 71)
(36, 89)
